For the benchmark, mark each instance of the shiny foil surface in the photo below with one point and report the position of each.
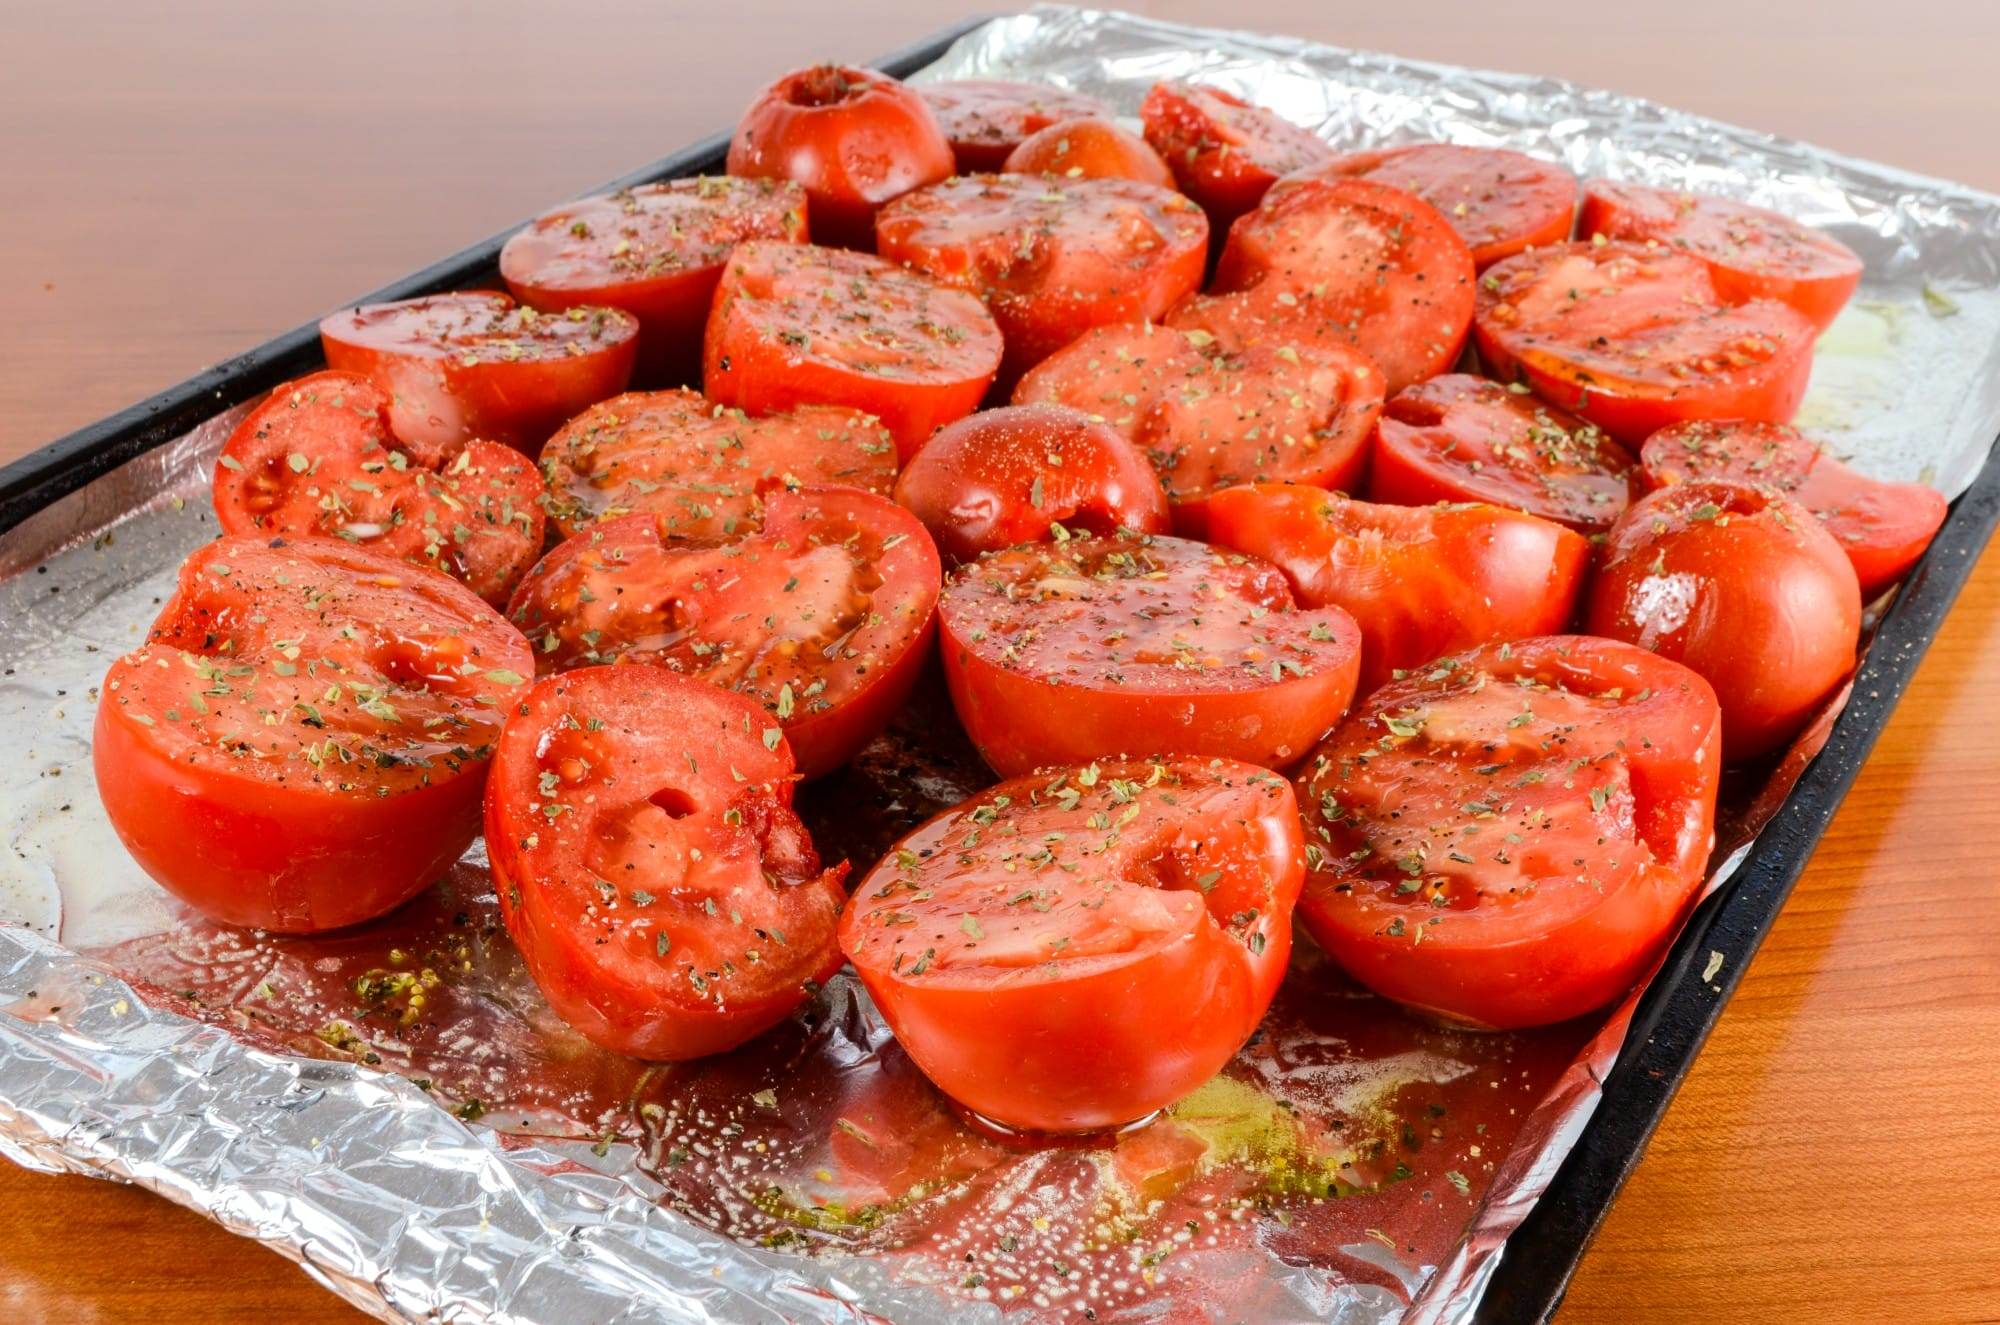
(395, 1108)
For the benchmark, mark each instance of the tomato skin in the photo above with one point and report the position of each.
(650, 971)
(1465, 438)
(986, 119)
(275, 841)
(1644, 342)
(1500, 202)
(1614, 800)
(1751, 252)
(1051, 258)
(476, 365)
(1088, 147)
(1181, 930)
(853, 138)
(783, 334)
(1005, 476)
(1420, 581)
(1743, 586)
(1058, 654)
(656, 252)
(1883, 527)
(1224, 151)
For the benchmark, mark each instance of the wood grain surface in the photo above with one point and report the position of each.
(179, 182)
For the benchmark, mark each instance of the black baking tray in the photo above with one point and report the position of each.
(1678, 1008)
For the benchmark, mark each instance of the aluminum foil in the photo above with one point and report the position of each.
(479, 1163)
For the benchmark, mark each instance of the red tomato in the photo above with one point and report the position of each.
(823, 616)
(1634, 339)
(1208, 420)
(1089, 147)
(1344, 262)
(655, 251)
(1061, 653)
(1751, 252)
(1882, 527)
(649, 866)
(1420, 581)
(317, 457)
(1224, 151)
(1007, 476)
(1105, 973)
(854, 138)
(1500, 202)
(1745, 587)
(704, 468)
(1051, 258)
(987, 118)
(801, 325)
(1464, 438)
(1510, 838)
(300, 743)
(475, 365)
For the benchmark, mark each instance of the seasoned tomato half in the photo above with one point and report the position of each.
(1511, 837)
(1089, 148)
(301, 741)
(650, 868)
(1500, 202)
(1060, 653)
(987, 118)
(1224, 151)
(1072, 951)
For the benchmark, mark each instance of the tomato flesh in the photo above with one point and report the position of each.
(1224, 151)
(1500, 202)
(1089, 148)
(986, 119)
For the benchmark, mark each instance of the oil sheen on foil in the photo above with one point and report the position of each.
(397, 1109)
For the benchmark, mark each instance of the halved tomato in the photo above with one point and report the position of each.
(1052, 258)
(823, 616)
(802, 325)
(1511, 837)
(317, 457)
(1883, 527)
(1072, 951)
(1635, 338)
(1420, 581)
(1500, 202)
(301, 741)
(655, 251)
(1751, 252)
(1464, 438)
(649, 866)
(1089, 147)
(1348, 262)
(1061, 653)
(986, 118)
(1224, 151)
(701, 467)
(475, 365)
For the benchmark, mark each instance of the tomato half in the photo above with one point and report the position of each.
(1224, 151)
(701, 467)
(300, 743)
(1089, 148)
(1511, 837)
(1343, 261)
(1500, 202)
(1634, 338)
(1464, 438)
(1745, 587)
(1063, 653)
(987, 118)
(1051, 257)
(1420, 581)
(823, 616)
(1008, 476)
(1751, 252)
(852, 138)
(802, 325)
(650, 869)
(475, 365)
(1883, 527)
(317, 457)
(1209, 419)
(1071, 952)
(655, 251)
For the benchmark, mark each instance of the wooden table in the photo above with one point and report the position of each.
(184, 181)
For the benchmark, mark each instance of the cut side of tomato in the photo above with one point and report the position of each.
(1089, 148)
(663, 894)
(1224, 151)
(1500, 202)
(985, 119)
(1073, 951)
